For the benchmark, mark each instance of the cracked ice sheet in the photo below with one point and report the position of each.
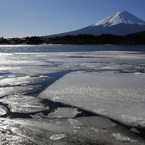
(118, 96)
(42, 63)
(84, 130)
(24, 104)
(4, 91)
(28, 63)
(26, 80)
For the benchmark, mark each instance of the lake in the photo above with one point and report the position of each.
(72, 94)
(68, 48)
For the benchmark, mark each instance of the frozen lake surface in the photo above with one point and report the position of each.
(58, 94)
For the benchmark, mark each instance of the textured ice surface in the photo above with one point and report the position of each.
(3, 110)
(26, 80)
(122, 138)
(112, 85)
(75, 123)
(91, 130)
(118, 96)
(4, 91)
(29, 63)
(44, 63)
(24, 104)
(64, 113)
(57, 136)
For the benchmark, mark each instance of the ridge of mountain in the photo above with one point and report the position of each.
(120, 23)
(121, 17)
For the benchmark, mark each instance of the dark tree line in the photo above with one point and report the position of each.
(136, 38)
(26, 40)
(87, 39)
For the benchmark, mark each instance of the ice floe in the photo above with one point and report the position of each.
(108, 83)
(3, 110)
(117, 96)
(24, 104)
(4, 91)
(92, 130)
(26, 80)
(64, 113)
(57, 136)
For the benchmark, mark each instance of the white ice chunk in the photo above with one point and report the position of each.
(60, 131)
(111, 95)
(122, 138)
(64, 113)
(22, 80)
(3, 110)
(75, 123)
(4, 91)
(24, 104)
(57, 136)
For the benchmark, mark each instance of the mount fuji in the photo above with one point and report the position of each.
(121, 23)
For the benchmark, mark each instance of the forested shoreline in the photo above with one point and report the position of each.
(82, 39)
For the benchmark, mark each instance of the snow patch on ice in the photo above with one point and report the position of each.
(55, 99)
(121, 137)
(3, 110)
(75, 123)
(24, 104)
(22, 80)
(100, 111)
(57, 136)
(133, 120)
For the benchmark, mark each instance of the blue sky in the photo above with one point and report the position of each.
(21, 18)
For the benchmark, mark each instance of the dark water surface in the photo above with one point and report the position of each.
(68, 48)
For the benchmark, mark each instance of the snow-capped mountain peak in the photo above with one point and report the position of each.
(121, 23)
(121, 17)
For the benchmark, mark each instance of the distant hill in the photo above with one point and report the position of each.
(121, 23)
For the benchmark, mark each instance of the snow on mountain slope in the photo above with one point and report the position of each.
(122, 17)
(121, 23)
